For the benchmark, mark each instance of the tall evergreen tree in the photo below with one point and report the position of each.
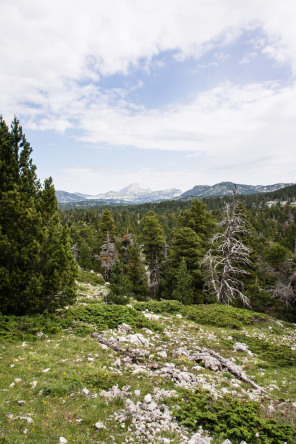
(186, 246)
(153, 240)
(137, 274)
(184, 289)
(119, 288)
(199, 220)
(37, 268)
(107, 226)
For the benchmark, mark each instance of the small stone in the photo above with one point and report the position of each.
(39, 334)
(90, 359)
(24, 344)
(152, 406)
(63, 440)
(99, 425)
(148, 398)
(238, 346)
(21, 402)
(117, 363)
(162, 354)
(27, 418)
(45, 370)
(85, 391)
(33, 384)
(137, 392)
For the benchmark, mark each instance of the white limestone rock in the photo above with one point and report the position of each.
(124, 328)
(99, 425)
(138, 339)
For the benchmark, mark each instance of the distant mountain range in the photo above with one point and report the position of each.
(130, 194)
(226, 189)
(133, 194)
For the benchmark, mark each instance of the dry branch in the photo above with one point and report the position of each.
(234, 369)
(114, 345)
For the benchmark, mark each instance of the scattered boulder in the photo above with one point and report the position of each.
(208, 361)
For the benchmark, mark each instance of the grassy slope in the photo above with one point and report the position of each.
(76, 361)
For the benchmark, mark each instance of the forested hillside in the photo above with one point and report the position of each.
(171, 240)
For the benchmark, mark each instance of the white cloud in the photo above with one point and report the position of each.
(53, 55)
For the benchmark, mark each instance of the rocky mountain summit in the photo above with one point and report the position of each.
(130, 194)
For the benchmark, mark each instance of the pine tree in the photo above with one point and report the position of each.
(184, 290)
(107, 226)
(199, 220)
(186, 246)
(153, 239)
(37, 268)
(137, 274)
(119, 288)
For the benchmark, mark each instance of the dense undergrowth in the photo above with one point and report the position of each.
(231, 418)
(82, 320)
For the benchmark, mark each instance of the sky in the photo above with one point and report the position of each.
(163, 93)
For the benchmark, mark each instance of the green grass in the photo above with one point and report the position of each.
(90, 278)
(76, 361)
(273, 355)
(208, 314)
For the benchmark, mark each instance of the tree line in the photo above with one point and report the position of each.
(238, 256)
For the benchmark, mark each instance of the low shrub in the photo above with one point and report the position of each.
(275, 355)
(104, 317)
(168, 306)
(223, 316)
(211, 314)
(230, 418)
(79, 318)
(26, 327)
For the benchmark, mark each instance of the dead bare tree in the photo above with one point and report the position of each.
(227, 262)
(284, 292)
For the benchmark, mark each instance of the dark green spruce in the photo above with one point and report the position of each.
(37, 268)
